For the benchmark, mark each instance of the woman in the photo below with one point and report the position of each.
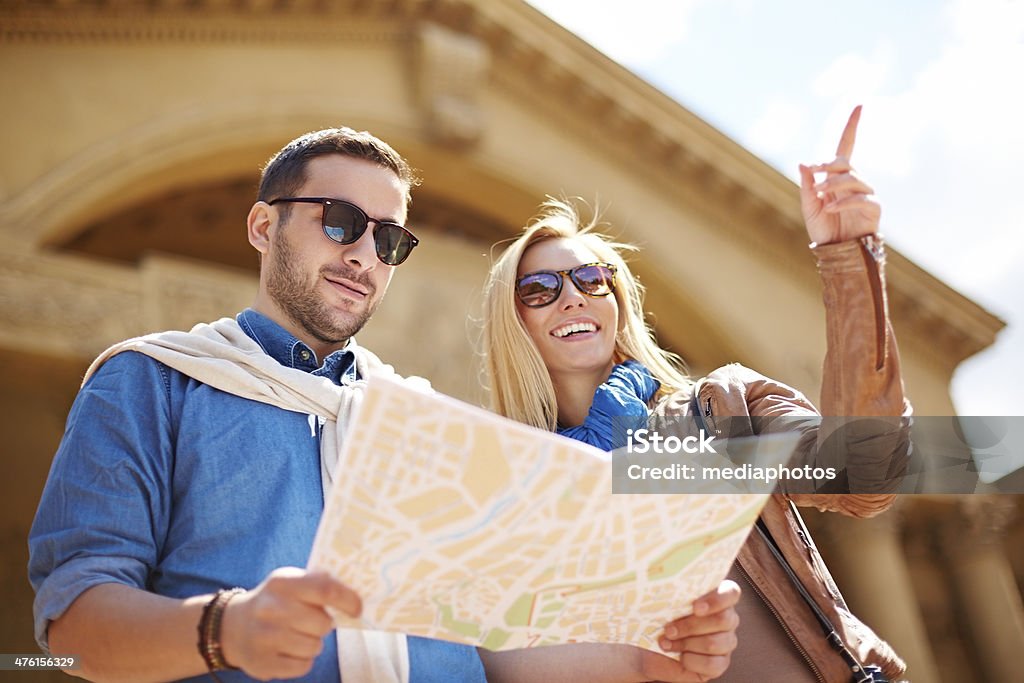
(567, 349)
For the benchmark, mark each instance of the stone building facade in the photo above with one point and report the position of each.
(133, 133)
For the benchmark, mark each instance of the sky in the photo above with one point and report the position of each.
(941, 137)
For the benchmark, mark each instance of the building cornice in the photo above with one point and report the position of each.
(561, 68)
(661, 131)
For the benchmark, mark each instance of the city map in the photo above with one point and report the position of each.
(454, 523)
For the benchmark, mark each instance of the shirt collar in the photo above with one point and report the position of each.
(283, 347)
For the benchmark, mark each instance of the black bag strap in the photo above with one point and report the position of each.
(860, 675)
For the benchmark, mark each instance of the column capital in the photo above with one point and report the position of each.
(980, 520)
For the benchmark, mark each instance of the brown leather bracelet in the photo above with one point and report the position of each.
(209, 629)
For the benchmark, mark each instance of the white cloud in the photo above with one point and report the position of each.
(973, 91)
(966, 103)
(989, 383)
(952, 145)
(778, 127)
(854, 73)
(994, 22)
(633, 33)
(856, 78)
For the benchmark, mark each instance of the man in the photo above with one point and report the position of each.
(193, 463)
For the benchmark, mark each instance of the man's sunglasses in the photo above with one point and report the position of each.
(545, 286)
(345, 223)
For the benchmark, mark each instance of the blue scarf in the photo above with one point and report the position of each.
(619, 404)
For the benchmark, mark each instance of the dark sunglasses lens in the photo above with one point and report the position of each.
(595, 280)
(343, 223)
(393, 242)
(538, 289)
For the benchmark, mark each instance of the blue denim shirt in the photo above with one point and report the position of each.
(165, 484)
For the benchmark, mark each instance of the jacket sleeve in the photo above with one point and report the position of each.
(865, 430)
(867, 417)
(861, 375)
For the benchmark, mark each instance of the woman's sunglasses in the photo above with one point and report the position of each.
(545, 286)
(345, 223)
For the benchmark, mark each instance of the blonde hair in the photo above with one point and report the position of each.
(519, 383)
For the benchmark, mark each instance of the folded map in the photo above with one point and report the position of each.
(454, 523)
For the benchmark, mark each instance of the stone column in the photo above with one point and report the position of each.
(871, 570)
(984, 589)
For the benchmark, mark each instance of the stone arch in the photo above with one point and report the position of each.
(471, 203)
(204, 143)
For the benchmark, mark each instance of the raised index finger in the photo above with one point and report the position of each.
(845, 148)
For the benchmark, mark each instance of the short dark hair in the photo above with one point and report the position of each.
(285, 172)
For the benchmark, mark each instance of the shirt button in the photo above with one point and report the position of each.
(304, 354)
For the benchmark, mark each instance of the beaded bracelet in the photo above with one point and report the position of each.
(209, 630)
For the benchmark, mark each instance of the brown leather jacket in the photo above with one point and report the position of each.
(861, 378)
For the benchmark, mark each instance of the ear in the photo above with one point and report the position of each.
(259, 223)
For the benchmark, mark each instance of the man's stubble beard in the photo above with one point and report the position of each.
(287, 286)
